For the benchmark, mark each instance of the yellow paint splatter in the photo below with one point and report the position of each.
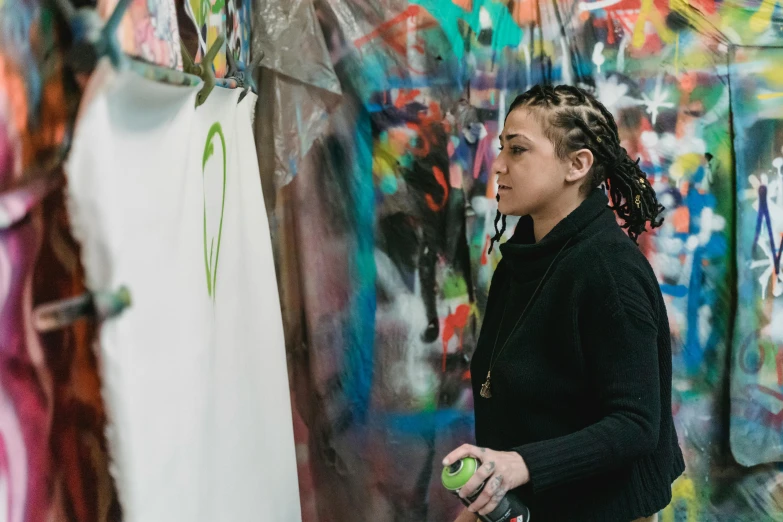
(685, 166)
(762, 18)
(683, 493)
(773, 76)
(649, 11)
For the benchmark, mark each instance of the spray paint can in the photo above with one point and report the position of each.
(510, 509)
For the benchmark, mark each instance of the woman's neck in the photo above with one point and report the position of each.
(546, 220)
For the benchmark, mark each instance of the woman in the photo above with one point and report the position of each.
(572, 371)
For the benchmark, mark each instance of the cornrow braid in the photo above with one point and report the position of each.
(574, 119)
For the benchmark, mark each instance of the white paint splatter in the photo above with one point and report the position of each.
(568, 74)
(598, 56)
(657, 101)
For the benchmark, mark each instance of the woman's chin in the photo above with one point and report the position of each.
(507, 209)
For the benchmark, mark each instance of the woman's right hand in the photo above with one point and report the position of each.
(466, 516)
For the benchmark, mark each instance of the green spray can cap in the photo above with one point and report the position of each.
(458, 474)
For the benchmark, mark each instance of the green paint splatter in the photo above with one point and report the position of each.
(212, 252)
(454, 286)
(218, 7)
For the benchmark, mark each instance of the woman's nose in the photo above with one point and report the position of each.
(498, 166)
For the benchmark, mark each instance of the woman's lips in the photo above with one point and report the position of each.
(503, 188)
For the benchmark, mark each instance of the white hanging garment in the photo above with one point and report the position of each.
(166, 200)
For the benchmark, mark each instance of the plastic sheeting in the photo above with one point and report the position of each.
(298, 78)
(382, 235)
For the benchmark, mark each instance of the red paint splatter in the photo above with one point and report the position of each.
(484, 256)
(454, 323)
(385, 28)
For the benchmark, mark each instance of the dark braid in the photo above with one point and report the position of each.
(576, 120)
(498, 232)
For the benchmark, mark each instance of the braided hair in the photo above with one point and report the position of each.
(574, 120)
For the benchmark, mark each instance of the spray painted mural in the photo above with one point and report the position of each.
(382, 235)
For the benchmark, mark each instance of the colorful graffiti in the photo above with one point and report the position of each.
(148, 31)
(209, 20)
(390, 215)
(381, 237)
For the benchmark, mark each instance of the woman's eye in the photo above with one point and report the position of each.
(517, 150)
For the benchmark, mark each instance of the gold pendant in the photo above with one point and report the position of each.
(485, 388)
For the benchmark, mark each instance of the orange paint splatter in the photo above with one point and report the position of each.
(441, 179)
(681, 218)
(405, 97)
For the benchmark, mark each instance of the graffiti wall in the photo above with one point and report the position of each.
(382, 234)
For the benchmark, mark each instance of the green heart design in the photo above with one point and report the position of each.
(212, 252)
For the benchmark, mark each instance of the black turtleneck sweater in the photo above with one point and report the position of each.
(582, 390)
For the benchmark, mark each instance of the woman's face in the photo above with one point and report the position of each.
(530, 176)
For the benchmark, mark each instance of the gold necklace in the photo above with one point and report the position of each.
(486, 392)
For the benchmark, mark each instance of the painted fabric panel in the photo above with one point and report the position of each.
(757, 364)
(194, 376)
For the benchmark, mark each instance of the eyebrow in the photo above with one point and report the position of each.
(510, 137)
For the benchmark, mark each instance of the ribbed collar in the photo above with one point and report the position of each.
(527, 259)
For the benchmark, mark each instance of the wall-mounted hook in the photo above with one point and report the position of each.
(93, 39)
(100, 305)
(203, 69)
(244, 75)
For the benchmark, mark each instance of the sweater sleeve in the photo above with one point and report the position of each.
(619, 343)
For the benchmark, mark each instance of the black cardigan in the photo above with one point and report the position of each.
(582, 390)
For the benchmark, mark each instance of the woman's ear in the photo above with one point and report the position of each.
(581, 163)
